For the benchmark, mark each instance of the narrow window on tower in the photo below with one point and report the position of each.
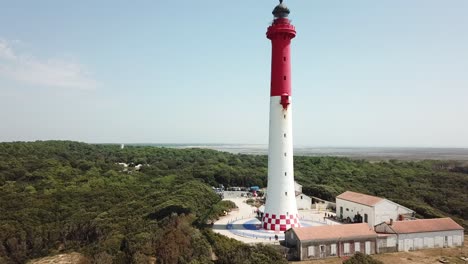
(284, 116)
(286, 193)
(284, 77)
(285, 174)
(284, 58)
(284, 134)
(285, 154)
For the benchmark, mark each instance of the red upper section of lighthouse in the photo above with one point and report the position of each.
(280, 33)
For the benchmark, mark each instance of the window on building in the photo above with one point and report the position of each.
(346, 248)
(311, 251)
(357, 247)
(284, 78)
(284, 134)
(333, 249)
(284, 58)
(347, 209)
(368, 247)
(285, 154)
(286, 193)
(365, 218)
(285, 174)
(301, 197)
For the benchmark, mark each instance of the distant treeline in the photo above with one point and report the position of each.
(59, 196)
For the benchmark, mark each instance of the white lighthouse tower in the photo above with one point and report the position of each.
(280, 209)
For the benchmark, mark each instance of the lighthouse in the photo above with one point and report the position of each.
(280, 209)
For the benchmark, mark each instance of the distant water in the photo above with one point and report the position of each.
(377, 153)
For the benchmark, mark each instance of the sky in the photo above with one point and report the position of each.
(391, 73)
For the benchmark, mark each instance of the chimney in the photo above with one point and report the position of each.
(391, 221)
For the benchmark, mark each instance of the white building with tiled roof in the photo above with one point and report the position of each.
(358, 207)
(315, 242)
(421, 233)
(303, 201)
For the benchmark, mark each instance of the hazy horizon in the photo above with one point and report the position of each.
(369, 153)
(265, 145)
(236, 144)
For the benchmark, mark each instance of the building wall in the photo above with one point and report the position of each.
(297, 187)
(304, 202)
(319, 206)
(350, 209)
(415, 241)
(335, 248)
(403, 210)
(381, 212)
(290, 238)
(387, 244)
(386, 210)
(383, 228)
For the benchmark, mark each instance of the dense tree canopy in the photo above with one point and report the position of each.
(431, 188)
(61, 195)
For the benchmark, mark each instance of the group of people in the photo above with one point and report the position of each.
(276, 238)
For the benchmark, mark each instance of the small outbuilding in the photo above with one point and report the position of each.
(356, 207)
(421, 233)
(317, 242)
(303, 202)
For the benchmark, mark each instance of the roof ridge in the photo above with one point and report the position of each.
(361, 198)
(425, 225)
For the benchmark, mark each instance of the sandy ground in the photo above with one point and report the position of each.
(244, 211)
(426, 256)
(71, 258)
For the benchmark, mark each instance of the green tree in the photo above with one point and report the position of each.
(360, 258)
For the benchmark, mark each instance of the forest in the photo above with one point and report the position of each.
(63, 196)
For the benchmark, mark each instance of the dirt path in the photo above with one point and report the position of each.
(70, 258)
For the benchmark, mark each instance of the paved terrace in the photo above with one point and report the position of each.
(242, 224)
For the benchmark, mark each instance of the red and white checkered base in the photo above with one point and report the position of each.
(280, 222)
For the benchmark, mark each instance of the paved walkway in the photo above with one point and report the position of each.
(242, 224)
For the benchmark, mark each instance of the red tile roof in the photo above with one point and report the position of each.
(334, 232)
(360, 198)
(425, 225)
